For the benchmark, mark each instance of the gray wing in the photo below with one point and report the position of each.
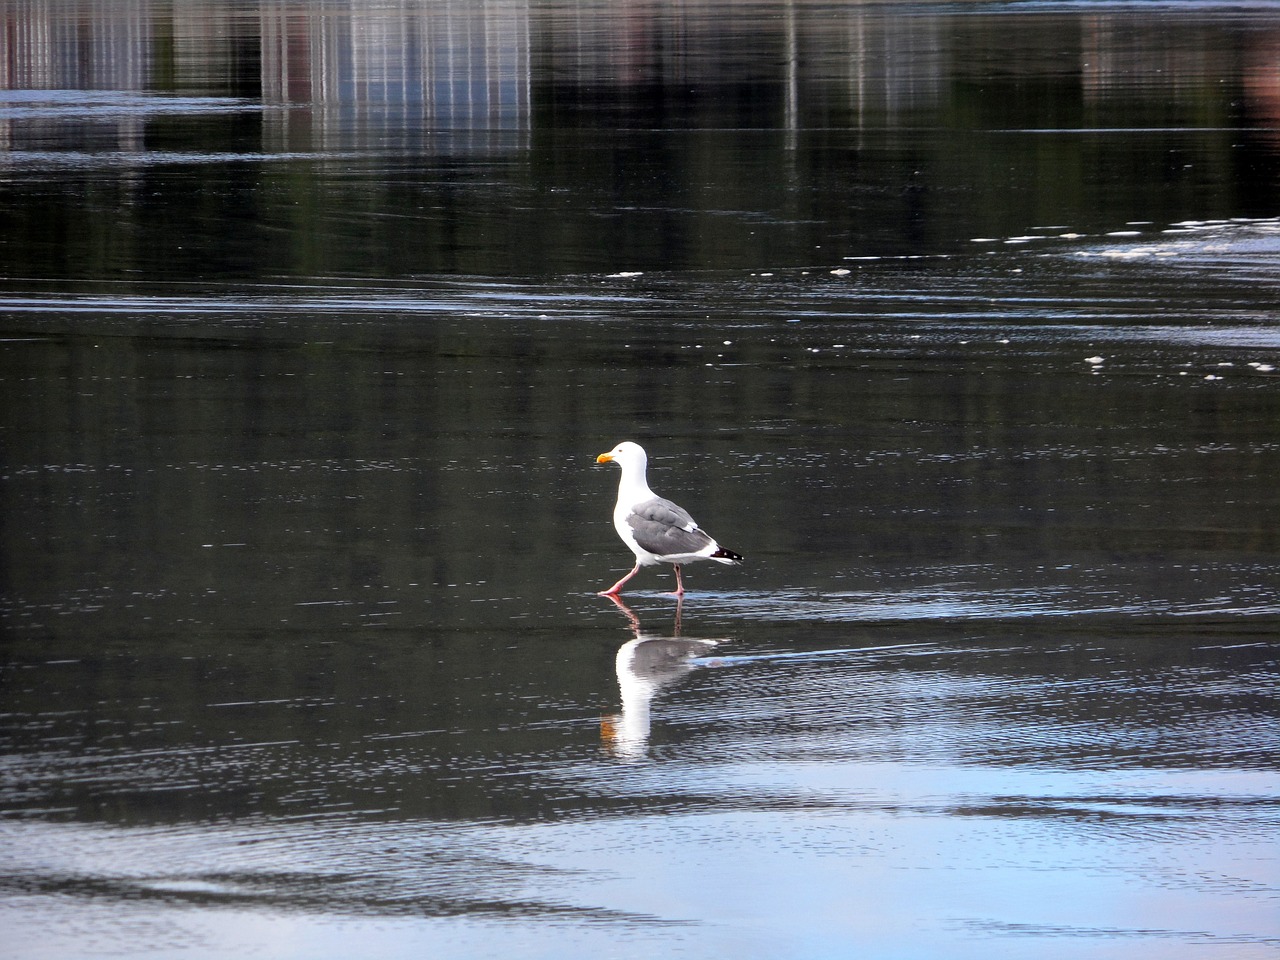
(665, 529)
(663, 659)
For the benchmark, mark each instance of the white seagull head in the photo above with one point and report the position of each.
(627, 455)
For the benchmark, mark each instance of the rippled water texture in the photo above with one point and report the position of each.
(958, 321)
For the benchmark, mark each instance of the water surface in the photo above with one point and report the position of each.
(958, 321)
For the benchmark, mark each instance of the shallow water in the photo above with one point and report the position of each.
(958, 322)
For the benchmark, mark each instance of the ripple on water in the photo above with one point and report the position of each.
(947, 604)
(340, 866)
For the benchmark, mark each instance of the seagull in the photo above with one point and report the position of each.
(656, 530)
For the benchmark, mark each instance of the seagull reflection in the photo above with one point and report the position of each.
(645, 666)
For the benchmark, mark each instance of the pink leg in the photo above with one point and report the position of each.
(617, 587)
(621, 605)
(679, 582)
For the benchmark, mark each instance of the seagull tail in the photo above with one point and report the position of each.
(726, 556)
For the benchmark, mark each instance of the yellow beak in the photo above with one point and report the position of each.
(605, 458)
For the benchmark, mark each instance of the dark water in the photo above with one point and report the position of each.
(959, 321)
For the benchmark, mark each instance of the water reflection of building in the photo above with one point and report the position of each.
(383, 75)
(394, 73)
(849, 60)
(388, 74)
(1261, 86)
(42, 48)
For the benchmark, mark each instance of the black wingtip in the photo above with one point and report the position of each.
(723, 554)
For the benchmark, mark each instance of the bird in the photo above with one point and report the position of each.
(656, 530)
(645, 666)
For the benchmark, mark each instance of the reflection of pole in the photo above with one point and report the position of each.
(792, 120)
(858, 75)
